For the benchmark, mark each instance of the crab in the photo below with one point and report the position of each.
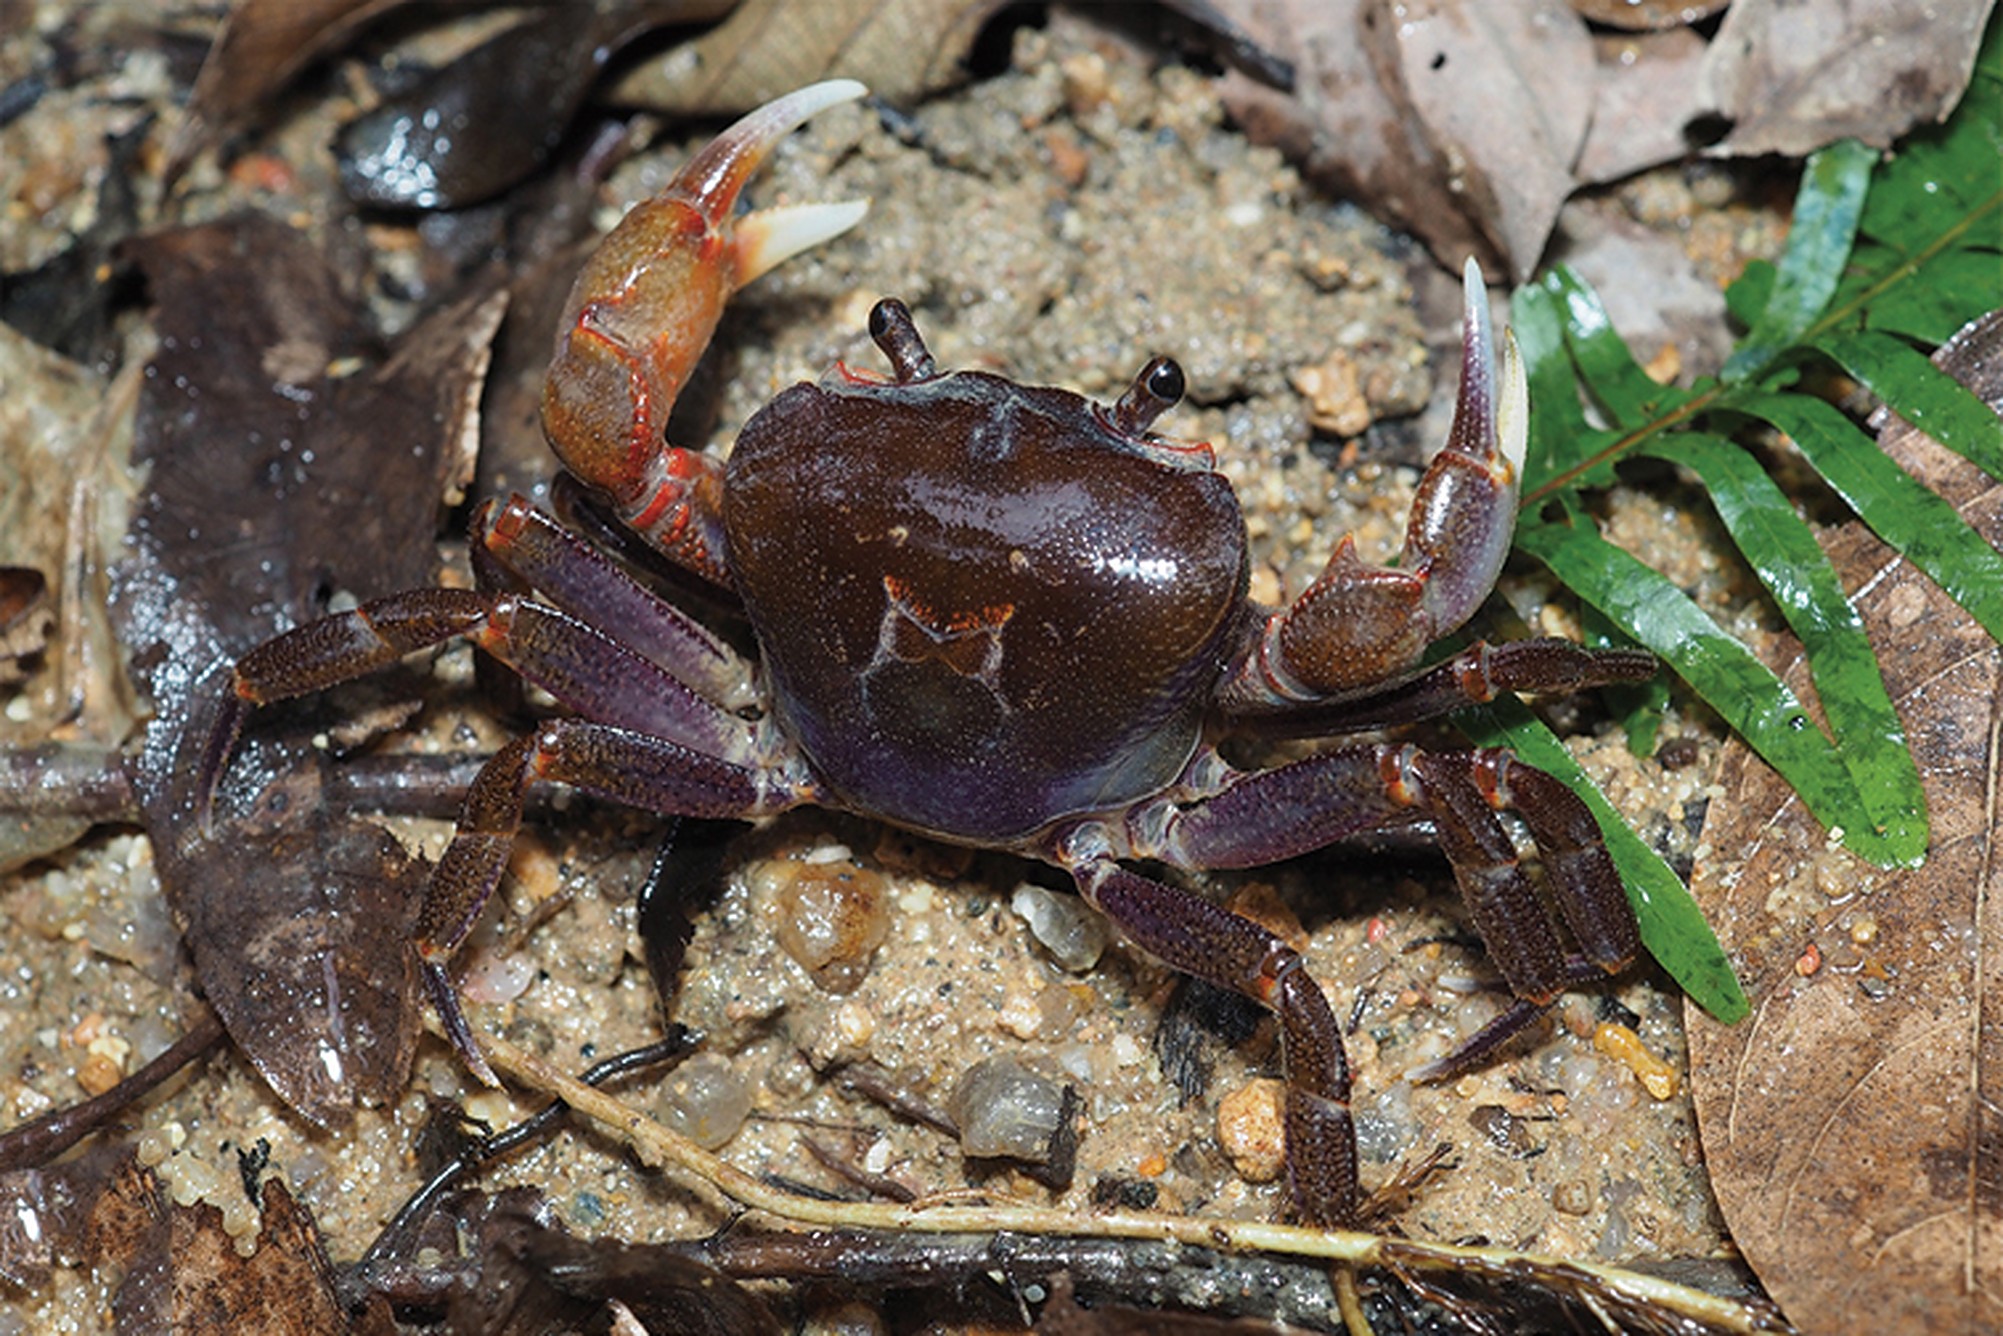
(999, 615)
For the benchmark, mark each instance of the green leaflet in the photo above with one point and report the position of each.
(1784, 553)
(1915, 522)
(1672, 926)
(1928, 398)
(1826, 212)
(1724, 674)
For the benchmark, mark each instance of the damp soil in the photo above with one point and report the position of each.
(1061, 221)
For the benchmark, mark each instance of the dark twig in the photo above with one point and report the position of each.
(37, 1142)
(399, 1236)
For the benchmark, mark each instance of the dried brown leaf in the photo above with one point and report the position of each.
(1648, 90)
(1793, 77)
(1459, 120)
(177, 1268)
(287, 461)
(903, 49)
(1854, 1125)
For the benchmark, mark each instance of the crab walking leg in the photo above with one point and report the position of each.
(623, 766)
(644, 308)
(585, 669)
(1476, 674)
(576, 663)
(1359, 624)
(572, 575)
(1262, 818)
(1220, 947)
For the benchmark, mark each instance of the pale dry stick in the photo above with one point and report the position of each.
(659, 1145)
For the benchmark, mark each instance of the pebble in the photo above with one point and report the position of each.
(1252, 1131)
(1071, 930)
(833, 914)
(1005, 1109)
(707, 1101)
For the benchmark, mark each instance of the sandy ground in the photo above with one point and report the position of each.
(1061, 222)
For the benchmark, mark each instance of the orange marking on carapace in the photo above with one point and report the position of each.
(991, 618)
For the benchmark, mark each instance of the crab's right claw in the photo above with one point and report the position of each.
(644, 308)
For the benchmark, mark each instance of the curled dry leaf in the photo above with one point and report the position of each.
(1459, 120)
(1794, 77)
(1467, 121)
(1854, 1126)
(63, 433)
(1648, 88)
(276, 436)
(495, 115)
(902, 49)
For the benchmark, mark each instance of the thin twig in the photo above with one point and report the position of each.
(658, 1145)
(40, 1140)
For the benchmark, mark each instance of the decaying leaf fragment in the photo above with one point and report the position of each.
(178, 1269)
(1854, 1126)
(288, 460)
(1794, 77)
(903, 50)
(1460, 121)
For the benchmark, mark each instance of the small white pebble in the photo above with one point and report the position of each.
(1126, 1052)
(495, 1108)
(1020, 1016)
(827, 853)
(854, 1024)
(877, 1158)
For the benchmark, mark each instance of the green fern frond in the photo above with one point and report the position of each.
(1884, 262)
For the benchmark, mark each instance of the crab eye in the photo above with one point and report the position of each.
(891, 326)
(1156, 390)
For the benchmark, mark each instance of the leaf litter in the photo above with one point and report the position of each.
(1082, 130)
(1852, 1126)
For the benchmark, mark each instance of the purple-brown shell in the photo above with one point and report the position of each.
(982, 605)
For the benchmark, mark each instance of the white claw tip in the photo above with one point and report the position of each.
(827, 93)
(1512, 410)
(770, 236)
(1474, 301)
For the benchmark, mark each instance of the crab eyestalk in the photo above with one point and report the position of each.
(645, 306)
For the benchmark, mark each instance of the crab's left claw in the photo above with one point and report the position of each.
(644, 308)
(1358, 626)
